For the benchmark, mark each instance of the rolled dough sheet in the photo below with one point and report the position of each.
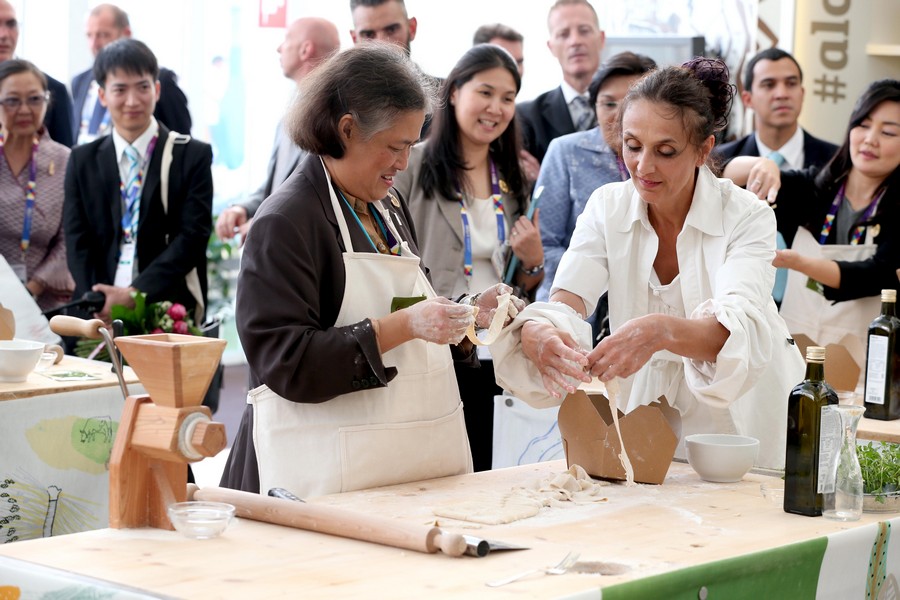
(505, 308)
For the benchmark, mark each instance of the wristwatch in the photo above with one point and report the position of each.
(533, 270)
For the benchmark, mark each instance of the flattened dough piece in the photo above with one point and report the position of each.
(491, 510)
(504, 308)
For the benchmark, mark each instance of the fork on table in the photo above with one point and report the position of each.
(564, 565)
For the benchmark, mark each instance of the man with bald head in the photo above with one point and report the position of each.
(107, 23)
(58, 119)
(307, 42)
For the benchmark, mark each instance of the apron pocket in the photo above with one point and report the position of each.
(387, 454)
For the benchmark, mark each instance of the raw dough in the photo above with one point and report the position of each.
(505, 308)
(612, 393)
(510, 507)
(572, 487)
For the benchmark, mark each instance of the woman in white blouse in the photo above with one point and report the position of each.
(687, 260)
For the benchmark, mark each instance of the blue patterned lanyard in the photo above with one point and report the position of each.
(131, 197)
(832, 215)
(496, 196)
(393, 244)
(30, 192)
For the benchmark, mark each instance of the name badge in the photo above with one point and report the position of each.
(125, 268)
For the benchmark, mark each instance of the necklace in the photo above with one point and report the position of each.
(30, 191)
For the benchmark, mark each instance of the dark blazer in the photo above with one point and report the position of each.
(816, 152)
(542, 120)
(171, 109)
(859, 279)
(169, 245)
(58, 119)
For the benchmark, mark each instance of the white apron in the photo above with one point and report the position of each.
(806, 311)
(411, 430)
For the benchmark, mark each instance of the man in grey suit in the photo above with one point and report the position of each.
(308, 42)
(576, 41)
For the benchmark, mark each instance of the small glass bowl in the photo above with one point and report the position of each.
(773, 490)
(47, 360)
(200, 520)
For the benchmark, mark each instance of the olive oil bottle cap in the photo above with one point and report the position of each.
(888, 295)
(815, 354)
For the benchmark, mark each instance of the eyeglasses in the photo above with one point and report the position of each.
(15, 103)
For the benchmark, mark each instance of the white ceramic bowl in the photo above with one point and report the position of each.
(200, 520)
(18, 358)
(721, 457)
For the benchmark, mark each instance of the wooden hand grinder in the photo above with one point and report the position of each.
(161, 432)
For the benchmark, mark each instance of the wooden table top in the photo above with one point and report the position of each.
(879, 431)
(637, 531)
(38, 384)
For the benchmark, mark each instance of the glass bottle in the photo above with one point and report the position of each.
(882, 400)
(802, 485)
(842, 495)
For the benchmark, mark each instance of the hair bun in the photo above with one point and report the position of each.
(713, 74)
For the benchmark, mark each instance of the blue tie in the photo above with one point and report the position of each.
(781, 275)
(131, 199)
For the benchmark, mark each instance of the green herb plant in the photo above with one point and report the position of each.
(880, 466)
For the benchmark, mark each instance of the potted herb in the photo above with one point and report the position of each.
(880, 466)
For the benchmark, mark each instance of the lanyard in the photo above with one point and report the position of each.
(393, 244)
(30, 191)
(131, 197)
(497, 198)
(833, 211)
(623, 172)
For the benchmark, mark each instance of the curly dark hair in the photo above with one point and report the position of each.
(699, 90)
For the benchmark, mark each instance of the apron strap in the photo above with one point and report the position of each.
(338, 213)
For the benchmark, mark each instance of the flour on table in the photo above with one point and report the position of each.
(573, 486)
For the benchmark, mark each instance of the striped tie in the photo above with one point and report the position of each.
(585, 118)
(131, 196)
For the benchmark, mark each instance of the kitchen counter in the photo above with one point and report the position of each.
(647, 538)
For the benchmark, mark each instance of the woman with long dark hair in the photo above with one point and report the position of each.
(845, 218)
(467, 197)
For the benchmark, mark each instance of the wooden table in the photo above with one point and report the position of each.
(879, 431)
(54, 449)
(649, 538)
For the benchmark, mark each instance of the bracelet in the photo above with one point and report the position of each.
(533, 270)
(469, 300)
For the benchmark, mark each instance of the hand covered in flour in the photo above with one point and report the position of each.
(439, 320)
(487, 305)
(628, 349)
(556, 355)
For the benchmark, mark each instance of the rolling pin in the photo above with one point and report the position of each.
(335, 521)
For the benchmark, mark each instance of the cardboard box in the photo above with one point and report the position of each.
(842, 371)
(7, 324)
(590, 439)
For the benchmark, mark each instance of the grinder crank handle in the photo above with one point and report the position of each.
(75, 327)
(335, 521)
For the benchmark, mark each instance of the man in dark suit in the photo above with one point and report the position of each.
(576, 41)
(119, 237)
(58, 119)
(773, 88)
(90, 120)
(307, 42)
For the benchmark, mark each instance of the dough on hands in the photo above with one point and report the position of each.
(505, 308)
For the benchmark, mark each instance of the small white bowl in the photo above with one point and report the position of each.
(18, 358)
(200, 520)
(721, 457)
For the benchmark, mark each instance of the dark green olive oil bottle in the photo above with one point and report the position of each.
(882, 399)
(804, 419)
